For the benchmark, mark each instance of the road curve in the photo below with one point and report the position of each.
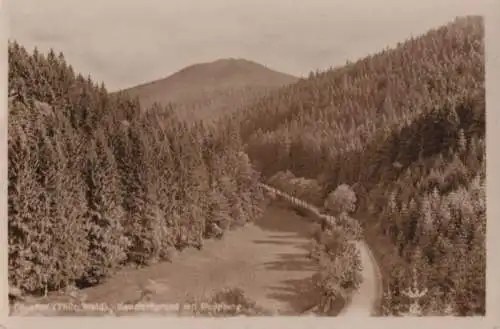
(364, 302)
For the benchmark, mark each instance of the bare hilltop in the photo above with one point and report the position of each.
(212, 88)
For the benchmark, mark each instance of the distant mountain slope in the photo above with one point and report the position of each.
(207, 89)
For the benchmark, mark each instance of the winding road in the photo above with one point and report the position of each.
(365, 300)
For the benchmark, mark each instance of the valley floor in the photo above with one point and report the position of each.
(267, 259)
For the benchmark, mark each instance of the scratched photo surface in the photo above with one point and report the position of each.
(259, 158)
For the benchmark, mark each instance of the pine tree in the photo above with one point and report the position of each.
(108, 244)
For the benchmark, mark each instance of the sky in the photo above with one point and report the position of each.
(125, 43)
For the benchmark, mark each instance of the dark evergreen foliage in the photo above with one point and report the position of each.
(94, 183)
(406, 129)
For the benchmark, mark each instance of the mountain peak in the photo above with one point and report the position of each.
(224, 68)
(224, 82)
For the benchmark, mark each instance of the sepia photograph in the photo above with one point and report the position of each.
(227, 158)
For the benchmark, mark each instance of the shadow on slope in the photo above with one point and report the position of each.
(268, 261)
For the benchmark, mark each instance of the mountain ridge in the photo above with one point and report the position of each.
(221, 85)
(228, 62)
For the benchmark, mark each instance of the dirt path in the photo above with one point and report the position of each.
(364, 301)
(267, 260)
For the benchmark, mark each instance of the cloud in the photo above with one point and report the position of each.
(124, 42)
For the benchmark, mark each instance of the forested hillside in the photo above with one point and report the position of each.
(94, 184)
(406, 129)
